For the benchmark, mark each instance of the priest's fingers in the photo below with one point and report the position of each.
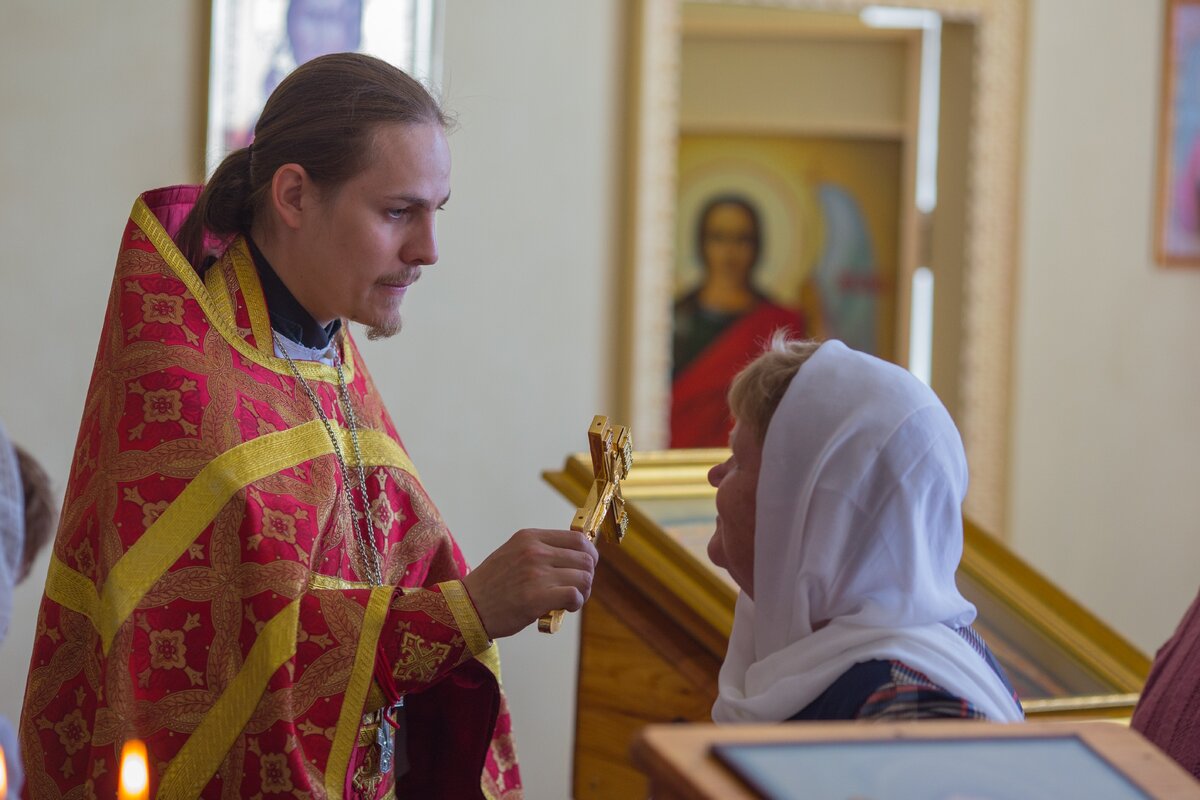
(567, 598)
(556, 548)
(564, 540)
(574, 584)
(534, 571)
(562, 558)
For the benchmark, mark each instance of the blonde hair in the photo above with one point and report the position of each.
(760, 386)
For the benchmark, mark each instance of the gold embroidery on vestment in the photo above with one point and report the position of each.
(145, 219)
(356, 691)
(252, 294)
(466, 618)
(198, 759)
(176, 529)
(218, 292)
(419, 659)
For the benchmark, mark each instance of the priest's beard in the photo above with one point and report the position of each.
(385, 329)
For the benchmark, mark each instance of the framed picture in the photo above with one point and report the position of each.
(795, 232)
(654, 114)
(1177, 231)
(256, 43)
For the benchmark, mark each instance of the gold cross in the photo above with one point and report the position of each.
(604, 510)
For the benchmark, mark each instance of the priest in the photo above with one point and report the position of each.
(249, 575)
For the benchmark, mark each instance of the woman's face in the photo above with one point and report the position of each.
(730, 242)
(736, 482)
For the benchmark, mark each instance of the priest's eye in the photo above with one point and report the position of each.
(398, 213)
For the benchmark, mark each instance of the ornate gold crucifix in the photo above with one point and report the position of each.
(603, 513)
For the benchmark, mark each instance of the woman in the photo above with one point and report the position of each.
(839, 515)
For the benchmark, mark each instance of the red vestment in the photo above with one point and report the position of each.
(699, 408)
(205, 593)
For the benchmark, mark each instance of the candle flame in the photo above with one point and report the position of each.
(3, 776)
(135, 773)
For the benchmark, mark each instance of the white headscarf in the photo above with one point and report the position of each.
(859, 523)
(12, 527)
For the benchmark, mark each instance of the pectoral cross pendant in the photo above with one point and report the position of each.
(385, 740)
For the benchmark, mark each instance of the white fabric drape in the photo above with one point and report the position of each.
(859, 525)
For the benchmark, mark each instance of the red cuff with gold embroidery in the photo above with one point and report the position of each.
(429, 632)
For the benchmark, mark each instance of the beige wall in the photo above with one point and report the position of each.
(495, 376)
(496, 373)
(1107, 380)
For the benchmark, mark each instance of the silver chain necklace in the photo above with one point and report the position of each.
(366, 540)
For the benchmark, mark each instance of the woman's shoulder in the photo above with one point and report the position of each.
(886, 690)
(909, 694)
(846, 695)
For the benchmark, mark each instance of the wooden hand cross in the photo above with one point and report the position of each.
(604, 510)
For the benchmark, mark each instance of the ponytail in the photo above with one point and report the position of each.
(225, 206)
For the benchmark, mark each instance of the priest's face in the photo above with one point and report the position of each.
(377, 230)
(736, 482)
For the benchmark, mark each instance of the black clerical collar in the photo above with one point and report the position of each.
(288, 317)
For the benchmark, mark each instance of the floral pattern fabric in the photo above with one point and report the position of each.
(206, 594)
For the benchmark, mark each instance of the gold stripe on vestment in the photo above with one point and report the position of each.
(466, 616)
(145, 219)
(256, 304)
(375, 698)
(471, 626)
(218, 291)
(193, 510)
(378, 449)
(490, 658)
(71, 589)
(197, 505)
(201, 755)
(318, 582)
(361, 676)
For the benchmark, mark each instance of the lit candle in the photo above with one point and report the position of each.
(135, 774)
(3, 776)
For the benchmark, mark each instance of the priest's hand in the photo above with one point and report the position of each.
(533, 573)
